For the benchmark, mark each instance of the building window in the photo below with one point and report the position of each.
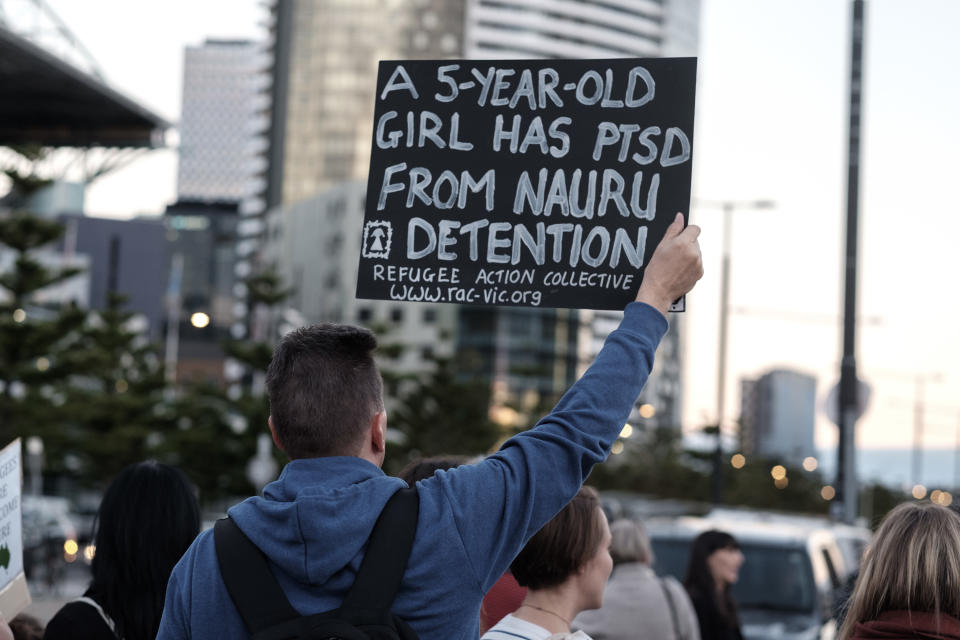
(429, 316)
(364, 314)
(426, 352)
(396, 315)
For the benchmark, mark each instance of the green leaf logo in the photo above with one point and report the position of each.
(4, 557)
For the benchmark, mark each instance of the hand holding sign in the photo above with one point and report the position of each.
(675, 267)
(14, 595)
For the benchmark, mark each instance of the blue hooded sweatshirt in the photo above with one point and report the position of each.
(314, 521)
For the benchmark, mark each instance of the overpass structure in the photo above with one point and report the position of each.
(47, 100)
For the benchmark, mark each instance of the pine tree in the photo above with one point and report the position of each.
(117, 411)
(441, 412)
(217, 429)
(36, 339)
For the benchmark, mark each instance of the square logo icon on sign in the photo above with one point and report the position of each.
(377, 237)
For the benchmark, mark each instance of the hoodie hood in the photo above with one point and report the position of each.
(897, 625)
(313, 502)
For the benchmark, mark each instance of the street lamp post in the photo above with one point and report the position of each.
(846, 506)
(35, 464)
(728, 207)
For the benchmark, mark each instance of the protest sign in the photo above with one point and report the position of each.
(543, 183)
(14, 595)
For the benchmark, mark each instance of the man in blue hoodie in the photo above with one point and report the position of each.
(327, 415)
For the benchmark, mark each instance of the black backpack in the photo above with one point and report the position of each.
(365, 612)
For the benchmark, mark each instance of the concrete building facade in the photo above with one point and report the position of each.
(564, 28)
(314, 244)
(128, 257)
(777, 414)
(222, 111)
(331, 51)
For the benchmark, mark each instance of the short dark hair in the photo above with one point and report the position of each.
(323, 387)
(147, 519)
(563, 545)
(26, 627)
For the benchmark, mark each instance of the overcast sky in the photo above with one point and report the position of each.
(771, 122)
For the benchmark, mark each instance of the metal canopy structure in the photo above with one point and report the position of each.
(48, 102)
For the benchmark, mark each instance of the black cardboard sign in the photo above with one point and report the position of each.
(542, 183)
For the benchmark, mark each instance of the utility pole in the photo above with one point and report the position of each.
(722, 355)
(174, 308)
(727, 206)
(846, 482)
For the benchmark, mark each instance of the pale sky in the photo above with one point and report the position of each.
(771, 124)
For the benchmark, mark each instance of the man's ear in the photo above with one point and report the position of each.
(378, 433)
(273, 433)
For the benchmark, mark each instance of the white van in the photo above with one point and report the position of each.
(788, 580)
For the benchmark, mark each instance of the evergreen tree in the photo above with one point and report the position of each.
(117, 411)
(440, 412)
(217, 429)
(36, 339)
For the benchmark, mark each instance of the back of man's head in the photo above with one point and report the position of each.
(324, 389)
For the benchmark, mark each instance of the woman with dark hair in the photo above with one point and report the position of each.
(714, 566)
(565, 567)
(147, 519)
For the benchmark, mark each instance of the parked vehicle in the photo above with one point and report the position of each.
(49, 538)
(787, 584)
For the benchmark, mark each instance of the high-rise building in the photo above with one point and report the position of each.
(320, 85)
(126, 257)
(326, 64)
(573, 28)
(221, 114)
(777, 414)
(224, 116)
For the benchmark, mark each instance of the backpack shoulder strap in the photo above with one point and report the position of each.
(385, 560)
(673, 609)
(254, 590)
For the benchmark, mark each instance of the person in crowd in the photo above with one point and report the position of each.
(637, 605)
(147, 519)
(25, 627)
(504, 596)
(715, 560)
(565, 567)
(327, 414)
(423, 468)
(909, 583)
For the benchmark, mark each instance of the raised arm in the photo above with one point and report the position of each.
(498, 504)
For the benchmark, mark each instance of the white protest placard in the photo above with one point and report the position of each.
(14, 595)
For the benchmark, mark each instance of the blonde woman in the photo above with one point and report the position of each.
(638, 605)
(909, 584)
